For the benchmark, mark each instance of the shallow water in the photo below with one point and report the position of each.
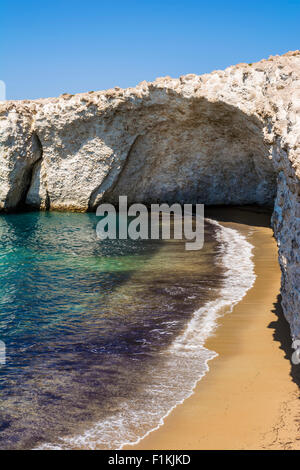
(88, 327)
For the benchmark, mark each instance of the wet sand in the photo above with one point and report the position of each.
(249, 399)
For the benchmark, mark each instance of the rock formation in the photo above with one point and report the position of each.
(228, 137)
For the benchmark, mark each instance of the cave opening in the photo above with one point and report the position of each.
(215, 154)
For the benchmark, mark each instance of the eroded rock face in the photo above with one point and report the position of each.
(228, 137)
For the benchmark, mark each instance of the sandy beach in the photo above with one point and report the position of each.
(249, 399)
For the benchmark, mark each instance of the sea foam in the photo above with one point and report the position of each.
(181, 366)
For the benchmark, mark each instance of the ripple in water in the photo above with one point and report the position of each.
(97, 333)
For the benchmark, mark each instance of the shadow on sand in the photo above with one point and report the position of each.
(258, 216)
(282, 335)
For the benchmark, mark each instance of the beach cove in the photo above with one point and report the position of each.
(249, 399)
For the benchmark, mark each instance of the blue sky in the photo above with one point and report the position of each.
(52, 47)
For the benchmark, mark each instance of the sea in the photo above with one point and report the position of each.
(104, 338)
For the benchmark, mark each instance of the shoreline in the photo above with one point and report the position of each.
(249, 397)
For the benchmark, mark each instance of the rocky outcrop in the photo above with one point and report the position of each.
(228, 137)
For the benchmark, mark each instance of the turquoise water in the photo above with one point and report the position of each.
(86, 323)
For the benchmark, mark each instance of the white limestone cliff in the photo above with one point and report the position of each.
(228, 137)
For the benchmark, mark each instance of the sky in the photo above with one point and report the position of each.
(52, 47)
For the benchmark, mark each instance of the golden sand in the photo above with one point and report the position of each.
(250, 397)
